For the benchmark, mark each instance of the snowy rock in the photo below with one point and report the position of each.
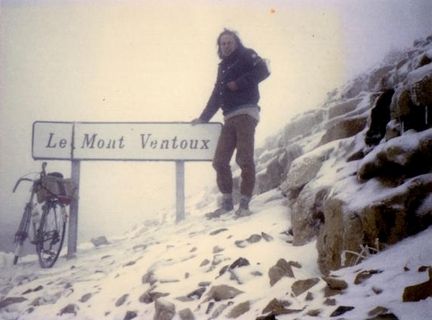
(281, 269)
(335, 284)
(239, 309)
(11, 300)
(347, 127)
(307, 214)
(222, 292)
(186, 314)
(70, 308)
(364, 275)
(419, 291)
(343, 108)
(99, 241)
(130, 315)
(300, 286)
(305, 168)
(164, 310)
(341, 310)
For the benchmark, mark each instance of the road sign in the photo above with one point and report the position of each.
(123, 141)
(165, 141)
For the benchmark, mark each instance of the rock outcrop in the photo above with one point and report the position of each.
(356, 172)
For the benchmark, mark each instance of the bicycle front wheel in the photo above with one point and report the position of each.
(50, 236)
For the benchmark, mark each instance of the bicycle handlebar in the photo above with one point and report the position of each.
(42, 174)
(19, 181)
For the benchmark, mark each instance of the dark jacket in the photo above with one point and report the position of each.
(247, 69)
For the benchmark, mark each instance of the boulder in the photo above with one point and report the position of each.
(164, 310)
(281, 269)
(346, 127)
(388, 219)
(305, 168)
(307, 214)
(343, 108)
(222, 292)
(404, 156)
(418, 292)
(301, 286)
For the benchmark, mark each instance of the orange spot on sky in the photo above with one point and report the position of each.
(272, 11)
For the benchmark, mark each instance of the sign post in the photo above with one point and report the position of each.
(124, 141)
(180, 190)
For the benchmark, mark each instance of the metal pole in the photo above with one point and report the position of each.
(73, 213)
(180, 190)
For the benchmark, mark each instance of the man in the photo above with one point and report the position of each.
(236, 93)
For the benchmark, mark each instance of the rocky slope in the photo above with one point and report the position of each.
(371, 140)
(226, 268)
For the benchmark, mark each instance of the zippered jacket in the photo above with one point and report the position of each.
(247, 70)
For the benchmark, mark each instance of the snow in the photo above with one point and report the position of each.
(175, 254)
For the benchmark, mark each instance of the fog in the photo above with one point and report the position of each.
(156, 61)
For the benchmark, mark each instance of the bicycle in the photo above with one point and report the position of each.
(54, 194)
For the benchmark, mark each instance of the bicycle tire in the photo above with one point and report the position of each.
(50, 235)
(22, 233)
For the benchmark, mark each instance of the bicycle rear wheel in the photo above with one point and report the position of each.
(50, 235)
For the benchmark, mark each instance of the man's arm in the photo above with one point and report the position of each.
(257, 73)
(211, 108)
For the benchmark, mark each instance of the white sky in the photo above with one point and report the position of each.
(156, 61)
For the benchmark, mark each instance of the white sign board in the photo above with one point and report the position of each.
(125, 141)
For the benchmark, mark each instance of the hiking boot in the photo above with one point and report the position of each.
(226, 206)
(243, 209)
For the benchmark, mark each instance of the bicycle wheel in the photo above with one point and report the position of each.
(50, 236)
(22, 233)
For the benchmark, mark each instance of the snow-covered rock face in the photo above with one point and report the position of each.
(366, 159)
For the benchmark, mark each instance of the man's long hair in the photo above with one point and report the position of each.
(236, 38)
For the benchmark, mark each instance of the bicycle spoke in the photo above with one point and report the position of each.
(50, 236)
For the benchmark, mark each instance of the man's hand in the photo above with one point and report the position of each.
(232, 86)
(196, 121)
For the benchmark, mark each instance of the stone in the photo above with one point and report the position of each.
(341, 310)
(239, 310)
(364, 275)
(301, 286)
(215, 232)
(204, 262)
(377, 311)
(343, 108)
(419, 291)
(385, 316)
(218, 249)
(277, 307)
(70, 308)
(85, 297)
(335, 284)
(307, 214)
(254, 238)
(347, 127)
(240, 262)
(164, 310)
(99, 241)
(266, 237)
(222, 292)
(281, 269)
(130, 315)
(151, 296)
(11, 300)
(149, 278)
(186, 314)
(120, 301)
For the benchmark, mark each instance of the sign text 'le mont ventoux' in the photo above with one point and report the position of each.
(124, 141)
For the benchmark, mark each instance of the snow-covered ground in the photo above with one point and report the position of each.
(181, 263)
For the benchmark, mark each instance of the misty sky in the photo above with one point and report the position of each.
(156, 61)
